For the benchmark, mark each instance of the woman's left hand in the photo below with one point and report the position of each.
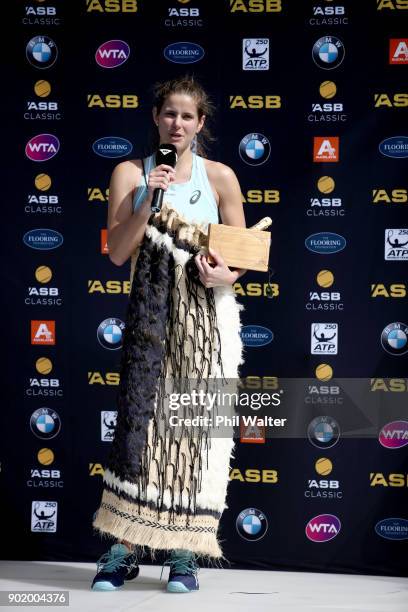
(218, 275)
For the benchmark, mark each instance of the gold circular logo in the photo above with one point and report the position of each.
(45, 456)
(43, 365)
(325, 184)
(328, 89)
(325, 278)
(42, 89)
(42, 182)
(324, 372)
(43, 274)
(323, 466)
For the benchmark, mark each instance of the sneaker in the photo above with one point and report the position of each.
(114, 567)
(183, 572)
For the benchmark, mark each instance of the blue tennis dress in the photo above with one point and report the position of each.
(193, 199)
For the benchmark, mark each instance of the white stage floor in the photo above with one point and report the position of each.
(226, 590)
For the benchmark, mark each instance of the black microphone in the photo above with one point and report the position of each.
(166, 154)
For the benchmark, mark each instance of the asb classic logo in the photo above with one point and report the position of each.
(398, 51)
(42, 147)
(394, 338)
(112, 53)
(394, 435)
(255, 54)
(254, 149)
(41, 52)
(110, 333)
(328, 52)
(184, 53)
(251, 524)
(323, 528)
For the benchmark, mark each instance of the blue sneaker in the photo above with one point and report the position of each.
(114, 567)
(183, 572)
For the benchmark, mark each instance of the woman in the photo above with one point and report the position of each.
(167, 490)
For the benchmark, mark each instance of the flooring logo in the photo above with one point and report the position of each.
(184, 53)
(328, 52)
(324, 339)
(255, 54)
(252, 524)
(392, 529)
(41, 52)
(394, 338)
(44, 516)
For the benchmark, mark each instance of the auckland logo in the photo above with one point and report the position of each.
(43, 239)
(112, 54)
(396, 146)
(112, 146)
(42, 147)
(256, 335)
(323, 528)
(394, 435)
(184, 53)
(325, 243)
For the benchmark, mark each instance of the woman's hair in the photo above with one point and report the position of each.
(189, 86)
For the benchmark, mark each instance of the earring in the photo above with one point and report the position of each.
(193, 145)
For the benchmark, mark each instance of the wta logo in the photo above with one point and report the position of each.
(323, 528)
(42, 147)
(112, 54)
(394, 434)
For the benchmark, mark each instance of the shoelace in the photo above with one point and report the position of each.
(110, 563)
(181, 565)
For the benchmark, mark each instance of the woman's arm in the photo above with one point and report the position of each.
(125, 227)
(226, 186)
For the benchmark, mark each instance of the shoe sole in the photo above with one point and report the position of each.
(179, 587)
(103, 585)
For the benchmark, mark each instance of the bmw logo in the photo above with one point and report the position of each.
(110, 333)
(323, 432)
(45, 423)
(251, 524)
(328, 52)
(41, 52)
(394, 338)
(254, 149)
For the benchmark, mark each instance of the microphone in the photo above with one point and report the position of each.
(166, 154)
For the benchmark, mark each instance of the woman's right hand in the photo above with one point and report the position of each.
(159, 178)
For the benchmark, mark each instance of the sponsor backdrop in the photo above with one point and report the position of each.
(311, 102)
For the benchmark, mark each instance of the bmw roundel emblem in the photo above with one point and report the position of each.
(251, 524)
(254, 149)
(328, 52)
(45, 423)
(323, 432)
(41, 52)
(394, 338)
(110, 333)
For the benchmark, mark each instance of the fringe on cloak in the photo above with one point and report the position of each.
(161, 489)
